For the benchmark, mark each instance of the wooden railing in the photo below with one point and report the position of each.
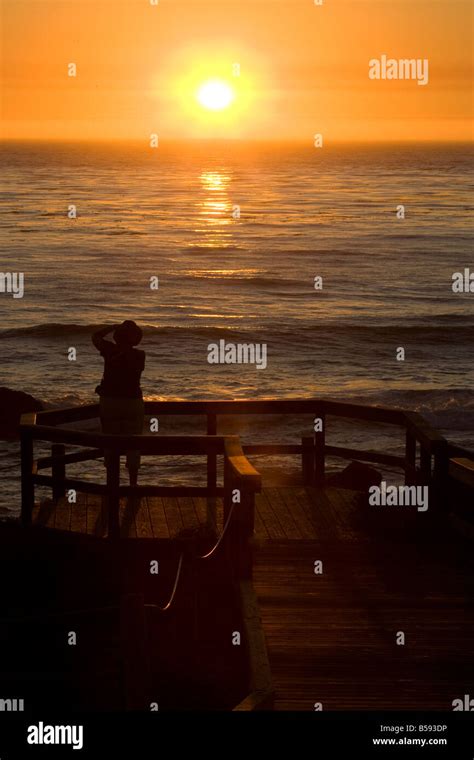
(239, 474)
(425, 458)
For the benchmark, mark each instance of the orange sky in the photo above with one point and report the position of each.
(304, 69)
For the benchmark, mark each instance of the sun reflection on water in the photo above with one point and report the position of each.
(214, 211)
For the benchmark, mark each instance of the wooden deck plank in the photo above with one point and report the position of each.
(200, 506)
(205, 508)
(45, 514)
(188, 513)
(157, 517)
(344, 512)
(173, 515)
(220, 513)
(327, 634)
(96, 515)
(269, 519)
(292, 502)
(318, 510)
(63, 514)
(290, 512)
(79, 514)
(128, 528)
(92, 513)
(285, 517)
(142, 519)
(261, 533)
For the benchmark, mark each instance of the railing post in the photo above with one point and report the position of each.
(410, 458)
(113, 493)
(441, 475)
(245, 527)
(211, 511)
(227, 490)
(425, 465)
(58, 450)
(241, 526)
(211, 458)
(229, 538)
(240, 533)
(27, 484)
(308, 459)
(319, 453)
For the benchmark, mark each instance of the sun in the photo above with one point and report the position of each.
(215, 95)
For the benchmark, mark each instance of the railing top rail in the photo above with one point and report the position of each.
(431, 438)
(462, 469)
(181, 445)
(459, 451)
(147, 444)
(428, 436)
(239, 406)
(240, 466)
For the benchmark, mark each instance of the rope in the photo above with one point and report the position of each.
(175, 586)
(197, 556)
(210, 553)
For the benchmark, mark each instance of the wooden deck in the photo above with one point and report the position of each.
(331, 637)
(280, 513)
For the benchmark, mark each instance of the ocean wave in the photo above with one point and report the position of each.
(61, 330)
(422, 326)
(238, 280)
(211, 249)
(447, 409)
(430, 399)
(48, 330)
(440, 400)
(421, 329)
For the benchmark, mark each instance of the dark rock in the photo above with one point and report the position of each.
(356, 476)
(12, 405)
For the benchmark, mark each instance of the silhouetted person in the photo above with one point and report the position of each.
(121, 399)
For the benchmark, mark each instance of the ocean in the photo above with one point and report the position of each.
(236, 236)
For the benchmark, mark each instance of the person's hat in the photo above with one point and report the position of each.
(128, 332)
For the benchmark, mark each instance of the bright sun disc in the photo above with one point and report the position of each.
(215, 95)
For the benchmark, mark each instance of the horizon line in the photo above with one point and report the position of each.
(222, 140)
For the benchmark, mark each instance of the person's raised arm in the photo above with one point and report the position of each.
(99, 335)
